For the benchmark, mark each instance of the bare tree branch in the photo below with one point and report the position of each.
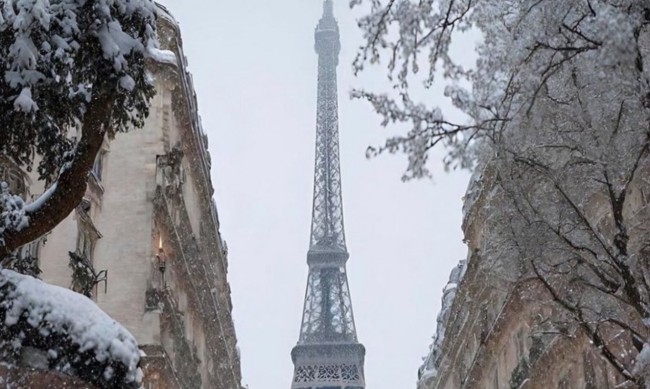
(71, 183)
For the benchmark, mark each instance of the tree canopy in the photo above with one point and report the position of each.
(558, 111)
(72, 75)
(529, 50)
(73, 72)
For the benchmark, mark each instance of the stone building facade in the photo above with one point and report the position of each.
(145, 243)
(500, 330)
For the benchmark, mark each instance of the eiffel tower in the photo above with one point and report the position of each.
(328, 355)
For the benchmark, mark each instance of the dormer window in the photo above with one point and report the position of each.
(87, 233)
(84, 276)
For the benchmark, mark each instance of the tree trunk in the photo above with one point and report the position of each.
(71, 183)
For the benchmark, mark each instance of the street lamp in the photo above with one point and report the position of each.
(161, 262)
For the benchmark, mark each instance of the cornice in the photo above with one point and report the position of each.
(193, 135)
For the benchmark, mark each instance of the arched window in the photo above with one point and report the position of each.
(84, 276)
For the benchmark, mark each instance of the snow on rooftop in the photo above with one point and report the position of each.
(430, 367)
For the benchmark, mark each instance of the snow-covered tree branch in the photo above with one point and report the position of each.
(61, 330)
(72, 75)
(525, 47)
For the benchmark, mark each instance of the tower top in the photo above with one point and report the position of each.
(327, 33)
(327, 21)
(328, 9)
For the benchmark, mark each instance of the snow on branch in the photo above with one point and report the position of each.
(12, 211)
(68, 330)
(67, 64)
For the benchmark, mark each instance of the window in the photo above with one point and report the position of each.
(87, 233)
(172, 174)
(98, 166)
(84, 244)
(26, 259)
(33, 249)
(84, 276)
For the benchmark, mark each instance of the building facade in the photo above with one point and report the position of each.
(499, 327)
(145, 243)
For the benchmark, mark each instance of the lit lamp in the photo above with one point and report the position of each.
(161, 262)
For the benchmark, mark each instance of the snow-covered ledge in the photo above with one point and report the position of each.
(163, 56)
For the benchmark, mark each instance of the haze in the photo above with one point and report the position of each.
(254, 70)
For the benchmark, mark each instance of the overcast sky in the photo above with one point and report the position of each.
(254, 70)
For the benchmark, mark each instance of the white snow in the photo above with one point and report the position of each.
(24, 101)
(12, 212)
(27, 55)
(127, 83)
(38, 203)
(163, 56)
(116, 43)
(65, 311)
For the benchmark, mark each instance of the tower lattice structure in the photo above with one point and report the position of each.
(328, 355)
